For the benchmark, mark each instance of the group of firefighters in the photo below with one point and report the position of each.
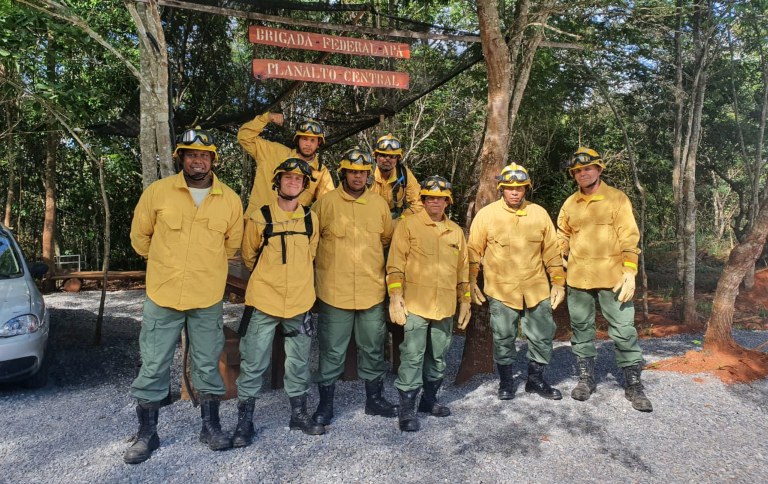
(378, 239)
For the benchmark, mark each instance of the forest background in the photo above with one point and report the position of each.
(674, 94)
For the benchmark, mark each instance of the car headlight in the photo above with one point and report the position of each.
(28, 323)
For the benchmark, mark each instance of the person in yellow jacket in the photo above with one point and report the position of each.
(598, 238)
(515, 242)
(355, 229)
(279, 246)
(393, 180)
(427, 271)
(309, 137)
(186, 226)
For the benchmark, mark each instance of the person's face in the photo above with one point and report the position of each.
(291, 184)
(197, 163)
(435, 206)
(587, 176)
(386, 163)
(308, 146)
(513, 196)
(356, 179)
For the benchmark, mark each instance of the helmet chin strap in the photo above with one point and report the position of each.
(197, 176)
(288, 197)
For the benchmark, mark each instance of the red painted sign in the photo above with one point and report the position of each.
(299, 71)
(326, 43)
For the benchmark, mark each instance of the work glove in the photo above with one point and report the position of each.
(627, 286)
(477, 295)
(397, 309)
(556, 296)
(465, 313)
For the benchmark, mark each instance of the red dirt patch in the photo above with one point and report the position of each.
(730, 365)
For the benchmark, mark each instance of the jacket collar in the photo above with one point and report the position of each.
(216, 188)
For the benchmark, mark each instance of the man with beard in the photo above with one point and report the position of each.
(393, 180)
(355, 229)
(186, 226)
(309, 137)
(598, 238)
(515, 241)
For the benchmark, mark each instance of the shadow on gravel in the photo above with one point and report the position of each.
(77, 360)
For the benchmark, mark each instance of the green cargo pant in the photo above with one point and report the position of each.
(621, 325)
(538, 326)
(256, 352)
(160, 331)
(334, 330)
(422, 352)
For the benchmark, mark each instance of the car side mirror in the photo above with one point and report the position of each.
(38, 269)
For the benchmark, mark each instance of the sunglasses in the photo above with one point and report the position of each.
(190, 136)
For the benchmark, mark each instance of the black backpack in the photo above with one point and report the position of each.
(269, 231)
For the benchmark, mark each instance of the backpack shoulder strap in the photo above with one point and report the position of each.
(268, 231)
(308, 222)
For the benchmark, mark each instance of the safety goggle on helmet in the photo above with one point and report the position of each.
(356, 159)
(196, 139)
(389, 145)
(293, 165)
(584, 157)
(436, 186)
(310, 128)
(513, 175)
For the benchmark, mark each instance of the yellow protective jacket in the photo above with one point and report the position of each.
(349, 269)
(269, 154)
(410, 194)
(515, 247)
(599, 236)
(429, 266)
(281, 289)
(186, 247)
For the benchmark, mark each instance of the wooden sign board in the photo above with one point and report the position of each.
(326, 43)
(300, 71)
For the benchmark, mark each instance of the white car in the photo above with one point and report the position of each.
(24, 319)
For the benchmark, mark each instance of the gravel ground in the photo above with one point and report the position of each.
(76, 429)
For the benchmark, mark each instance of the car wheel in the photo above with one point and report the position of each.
(40, 379)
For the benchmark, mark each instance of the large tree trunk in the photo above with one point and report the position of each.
(743, 256)
(49, 177)
(154, 133)
(509, 65)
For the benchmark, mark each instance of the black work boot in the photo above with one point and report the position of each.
(407, 419)
(300, 419)
(506, 382)
(586, 385)
(211, 432)
(633, 388)
(537, 384)
(324, 413)
(375, 403)
(428, 403)
(243, 435)
(146, 439)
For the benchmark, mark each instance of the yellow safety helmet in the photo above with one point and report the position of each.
(436, 186)
(388, 145)
(514, 175)
(196, 139)
(356, 159)
(583, 157)
(310, 128)
(293, 165)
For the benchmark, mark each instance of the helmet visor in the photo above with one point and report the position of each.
(436, 185)
(295, 164)
(310, 127)
(191, 136)
(582, 159)
(511, 176)
(389, 144)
